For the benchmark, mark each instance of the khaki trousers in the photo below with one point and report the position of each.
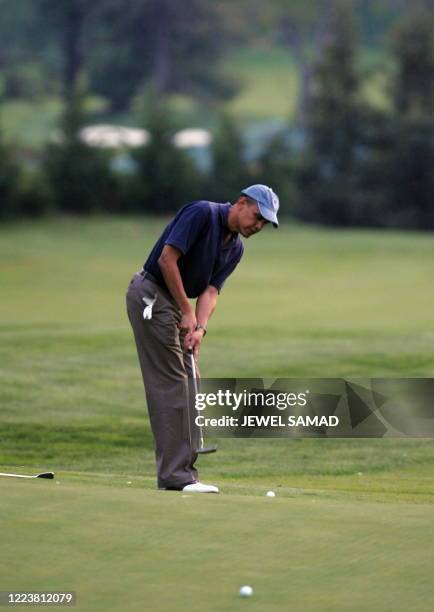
(165, 370)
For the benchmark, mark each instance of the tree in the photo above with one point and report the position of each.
(302, 28)
(277, 169)
(334, 125)
(79, 175)
(64, 23)
(9, 175)
(229, 171)
(413, 46)
(166, 177)
(412, 156)
(18, 39)
(394, 180)
(165, 46)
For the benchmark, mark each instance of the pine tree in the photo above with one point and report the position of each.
(413, 46)
(9, 175)
(412, 157)
(334, 125)
(229, 171)
(277, 168)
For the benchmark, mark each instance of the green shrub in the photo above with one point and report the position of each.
(9, 180)
(79, 175)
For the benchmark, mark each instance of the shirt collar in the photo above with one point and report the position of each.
(224, 214)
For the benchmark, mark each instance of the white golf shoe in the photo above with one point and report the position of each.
(200, 487)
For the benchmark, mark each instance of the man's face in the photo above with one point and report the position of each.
(250, 220)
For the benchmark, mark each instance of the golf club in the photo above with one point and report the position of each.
(202, 450)
(49, 475)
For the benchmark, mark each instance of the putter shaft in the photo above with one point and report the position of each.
(202, 450)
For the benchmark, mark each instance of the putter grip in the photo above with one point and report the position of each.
(193, 366)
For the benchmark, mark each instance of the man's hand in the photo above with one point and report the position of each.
(204, 308)
(188, 322)
(193, 341)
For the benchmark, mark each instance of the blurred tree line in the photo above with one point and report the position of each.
(357, 166)
(364, 166)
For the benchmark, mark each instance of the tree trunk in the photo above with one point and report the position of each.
(160, 66)
(298, 41)
(74, 19)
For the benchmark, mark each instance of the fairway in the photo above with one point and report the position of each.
(351, 527)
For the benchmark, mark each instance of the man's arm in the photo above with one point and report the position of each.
(168, 262)
(205, 306)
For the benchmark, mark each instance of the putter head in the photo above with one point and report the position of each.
(205, 450)
(46, 475)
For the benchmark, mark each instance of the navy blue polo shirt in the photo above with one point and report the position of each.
(198, 231)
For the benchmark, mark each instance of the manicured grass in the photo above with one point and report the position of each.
(303, 303)
(350, 528)
(269, 84)
(126, 548)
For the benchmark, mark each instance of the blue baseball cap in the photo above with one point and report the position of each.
(267, 200)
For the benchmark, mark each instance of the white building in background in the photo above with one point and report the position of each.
(195, 141)
(192, 137)
(114, 136)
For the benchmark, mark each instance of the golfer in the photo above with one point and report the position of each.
(193, 257)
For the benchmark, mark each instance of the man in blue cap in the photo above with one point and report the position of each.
(193, 257)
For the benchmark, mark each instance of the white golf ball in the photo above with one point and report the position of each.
(246, 591)
(271, 494)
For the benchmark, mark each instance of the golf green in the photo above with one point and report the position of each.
(129, 548)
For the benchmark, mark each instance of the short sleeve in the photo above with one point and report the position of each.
(188, 226)
(219, 276)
